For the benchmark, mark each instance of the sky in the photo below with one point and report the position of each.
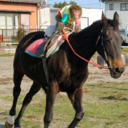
(82, 3)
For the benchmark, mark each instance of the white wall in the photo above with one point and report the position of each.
(92, 14)
(44, 16)
(53, 13)
(123, 15)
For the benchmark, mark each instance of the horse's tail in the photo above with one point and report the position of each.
(28, 41)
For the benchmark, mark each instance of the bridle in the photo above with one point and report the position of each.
(102, 44)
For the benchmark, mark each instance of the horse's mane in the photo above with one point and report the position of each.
(86, 32)
(92, 27)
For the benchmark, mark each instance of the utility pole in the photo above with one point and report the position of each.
(100, 4)
(40, 4)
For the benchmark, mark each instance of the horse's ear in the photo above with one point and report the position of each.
(116, 16)
(104, 19)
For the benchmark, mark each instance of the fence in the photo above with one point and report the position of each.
(13, 36)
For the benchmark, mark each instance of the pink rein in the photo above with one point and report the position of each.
(93, 62)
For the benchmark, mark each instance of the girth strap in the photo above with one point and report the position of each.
(45, 68)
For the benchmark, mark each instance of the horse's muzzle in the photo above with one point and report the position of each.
(116, 72)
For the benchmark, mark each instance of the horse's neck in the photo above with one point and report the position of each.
(86, 41)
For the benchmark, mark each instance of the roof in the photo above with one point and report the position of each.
(17, 11)
(114, 0)
(30, 1)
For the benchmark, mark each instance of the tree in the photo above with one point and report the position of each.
(73, 3)
(61, 5)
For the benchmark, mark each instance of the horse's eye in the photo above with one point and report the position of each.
(107, 40)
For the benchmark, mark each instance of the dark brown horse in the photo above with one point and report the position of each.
(67, 72)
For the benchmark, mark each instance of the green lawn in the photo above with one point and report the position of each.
(105, 106)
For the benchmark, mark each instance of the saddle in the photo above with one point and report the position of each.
(55, 42)
(47, 47)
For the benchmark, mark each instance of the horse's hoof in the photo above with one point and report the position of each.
(7, 125)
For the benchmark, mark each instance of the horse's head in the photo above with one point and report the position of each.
(109, 46)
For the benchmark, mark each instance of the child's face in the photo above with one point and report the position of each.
(76, 13)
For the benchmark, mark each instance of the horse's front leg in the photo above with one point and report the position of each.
(76, 100)
(53, 89)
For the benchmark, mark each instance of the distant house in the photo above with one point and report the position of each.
(121, 6)
(14, 13)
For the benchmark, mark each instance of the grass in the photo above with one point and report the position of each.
(124, 50)
(7, 54)
(105, 105)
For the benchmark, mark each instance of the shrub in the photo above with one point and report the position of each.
(20, 33)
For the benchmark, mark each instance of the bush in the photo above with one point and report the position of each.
(20, 34)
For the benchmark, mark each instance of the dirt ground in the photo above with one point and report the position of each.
(6, 80)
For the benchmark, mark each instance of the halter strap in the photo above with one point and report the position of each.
(104, 50)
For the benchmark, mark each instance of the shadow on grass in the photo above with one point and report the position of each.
(113, 98)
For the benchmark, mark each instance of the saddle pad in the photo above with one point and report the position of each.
(32, 48)
(36, 48)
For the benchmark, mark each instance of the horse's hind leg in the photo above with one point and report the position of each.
(16, 92)
(34, 89)
(76, 100)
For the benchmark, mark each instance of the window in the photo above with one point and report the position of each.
(8, 21)
(111, 6)
(2, 21)
(124, 7)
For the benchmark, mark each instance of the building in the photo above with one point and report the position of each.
(32, 15)
(89, 15)
(17, 13)
(121, 6)
(14, 13)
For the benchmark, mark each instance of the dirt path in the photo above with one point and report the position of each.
(96, 75)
